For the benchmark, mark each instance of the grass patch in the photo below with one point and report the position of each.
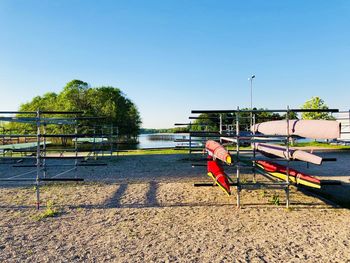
(275, 200)
(152, 151)
(167, 151)
(321, 145)
(50, 211)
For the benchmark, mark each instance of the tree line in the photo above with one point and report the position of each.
(107, 102)
(211, 121)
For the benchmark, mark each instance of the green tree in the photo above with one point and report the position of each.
(112, 104)
(74, 97)
(315, 103)
(107, 102)
(206, 122)
(210, 121)
(292, 116)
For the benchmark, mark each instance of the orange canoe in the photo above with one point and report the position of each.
(217, 151)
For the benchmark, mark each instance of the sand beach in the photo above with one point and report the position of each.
(146, 209)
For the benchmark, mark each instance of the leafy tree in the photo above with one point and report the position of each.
(74, 97)
(107, 102)
(292, 116)
(315, 103)
(210, 121)
(206, 122)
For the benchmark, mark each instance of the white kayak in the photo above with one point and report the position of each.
(314, 129)
(293, 154)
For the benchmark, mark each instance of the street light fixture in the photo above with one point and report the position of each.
(251, 98)
(251, 91)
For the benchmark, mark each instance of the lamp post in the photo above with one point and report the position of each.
(251, 91)
(251, 99)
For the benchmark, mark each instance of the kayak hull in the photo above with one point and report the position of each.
(314, 129)
(217, 151)
(280, 171)
(216, 172)
(281, 151)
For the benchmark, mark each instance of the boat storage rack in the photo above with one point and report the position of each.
(41, 121)
(234, 131)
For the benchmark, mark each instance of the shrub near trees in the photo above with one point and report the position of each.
(107, 102)
(316, 103)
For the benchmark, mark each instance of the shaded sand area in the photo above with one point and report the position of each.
(158, 216)
(338, 170)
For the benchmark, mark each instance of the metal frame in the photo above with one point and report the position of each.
(344, 118)
(239, 165)
(191, 147)
(41, 149)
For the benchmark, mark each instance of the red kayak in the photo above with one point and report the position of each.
(216, 172)
(217, 151)
(295, 176)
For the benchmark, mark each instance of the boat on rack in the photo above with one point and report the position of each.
(217, 151)
(280, 171)
(313, 129)
(216, 172)
(272, 150)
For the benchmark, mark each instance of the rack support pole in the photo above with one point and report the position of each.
(76, 148)
(238, 161)
(111, 140)
(38, 162)
(254, 150)
(190, 143)
(288, 159)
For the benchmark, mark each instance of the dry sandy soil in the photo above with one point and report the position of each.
(155, 214)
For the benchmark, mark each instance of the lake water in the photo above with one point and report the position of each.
(146, 141)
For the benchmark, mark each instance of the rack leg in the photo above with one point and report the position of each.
(238, 187)
(238, 197)
(37, 195)
(287, 197)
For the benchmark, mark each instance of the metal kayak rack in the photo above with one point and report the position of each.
(38, 149)
(236, 137)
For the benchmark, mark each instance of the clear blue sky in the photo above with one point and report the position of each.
(171, 56)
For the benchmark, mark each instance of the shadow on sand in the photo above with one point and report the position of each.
(151, 201)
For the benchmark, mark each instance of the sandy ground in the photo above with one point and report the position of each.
(153, 213)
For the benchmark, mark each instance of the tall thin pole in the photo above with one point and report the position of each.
(220, 128)
(111, 139)
(94, 148)
(251, 91)
(251, 97)
(117, 140)
(76, 146)
(288, 160)
(238, 161)
(190, 142)
(44, 152)
(254, 150)
(38, 161)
